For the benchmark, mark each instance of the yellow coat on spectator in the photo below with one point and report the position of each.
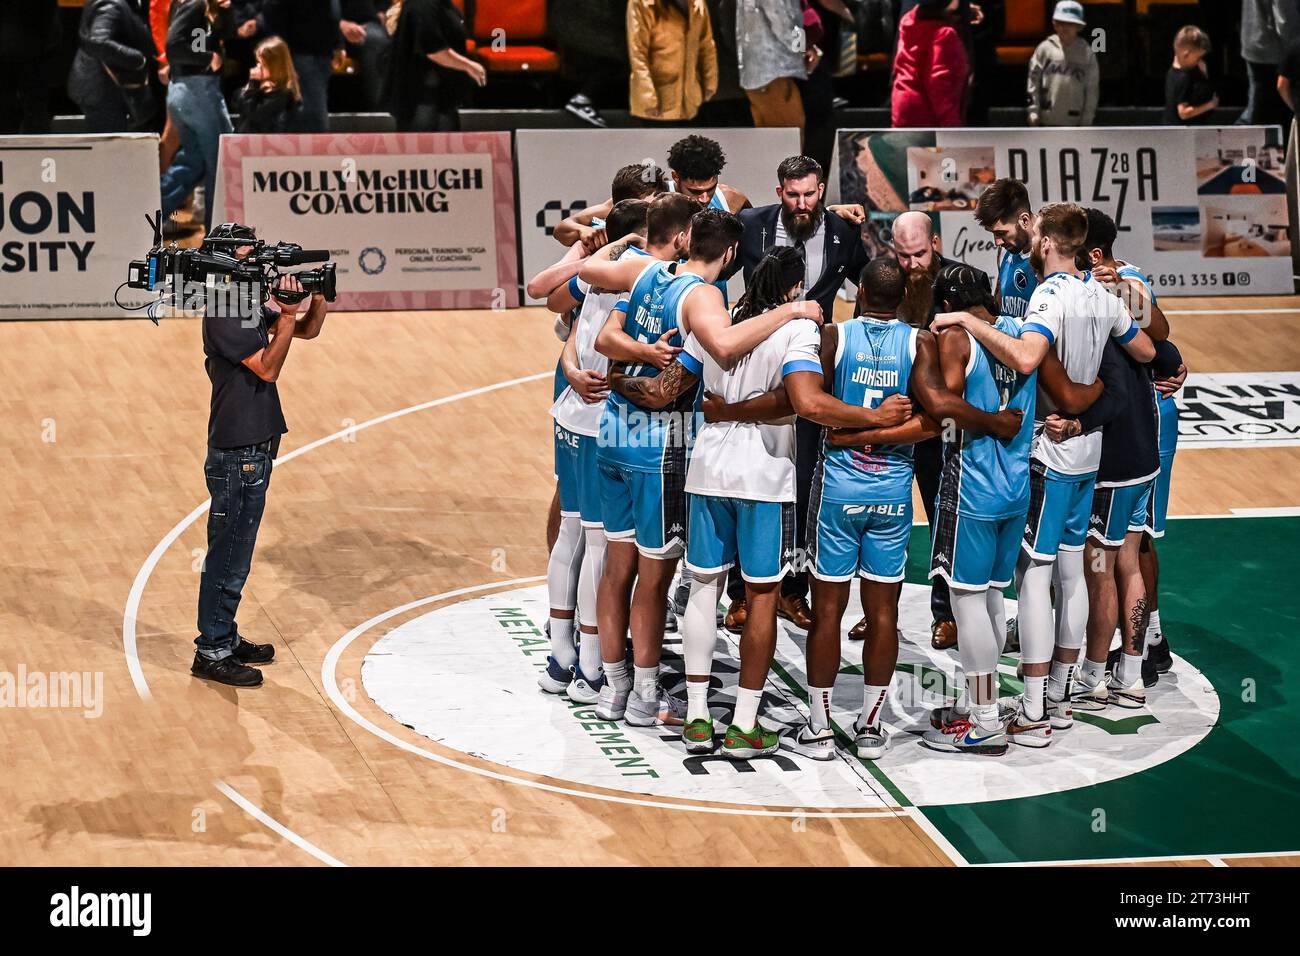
(674, 61)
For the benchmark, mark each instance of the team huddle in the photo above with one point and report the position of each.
(1048, 404)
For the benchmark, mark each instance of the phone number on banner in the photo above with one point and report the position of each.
(1171, 281)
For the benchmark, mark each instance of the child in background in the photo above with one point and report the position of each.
(1189, 95)
(1063, 73)
(272, 93)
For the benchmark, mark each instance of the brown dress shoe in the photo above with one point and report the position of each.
(858, 632)
(795, 610)
(943, 635)
(734, 622)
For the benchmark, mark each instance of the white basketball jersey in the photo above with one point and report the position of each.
(569, 410)
(1077, 316)
(750, 460)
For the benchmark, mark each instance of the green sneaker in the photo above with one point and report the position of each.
(698, 736)
(758, 741)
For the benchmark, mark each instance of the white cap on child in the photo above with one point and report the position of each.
(1068, 11)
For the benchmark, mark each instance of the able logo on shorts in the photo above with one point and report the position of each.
(465, 677)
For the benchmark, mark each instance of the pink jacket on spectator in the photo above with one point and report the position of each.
(931, 71)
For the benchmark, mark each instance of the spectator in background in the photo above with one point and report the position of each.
(1063, 74)
(1189, 95)
(770, 45)
(1288, 78)
(673, 60)
(311, 28)
(429, 75)
(593, 49)
(29, 40)
(931, 67)
(267, 103)
(113, 64)
(1266, 26)
(368, 42)
(194, 101)
(728, 106)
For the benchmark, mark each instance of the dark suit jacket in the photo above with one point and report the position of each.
(843, 258)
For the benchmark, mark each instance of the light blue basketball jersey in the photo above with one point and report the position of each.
(640, 439)
(872, 362)
(1167, 423)
(1016, 283)
(717, 202)
(990, 478)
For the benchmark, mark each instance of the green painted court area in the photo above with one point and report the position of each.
(1230, 605)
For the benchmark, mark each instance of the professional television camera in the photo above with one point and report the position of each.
(186, 277)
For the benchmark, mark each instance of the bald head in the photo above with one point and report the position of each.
(915, 243)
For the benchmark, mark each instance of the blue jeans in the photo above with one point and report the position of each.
(314, 78)
(237, 481)
(199, 112)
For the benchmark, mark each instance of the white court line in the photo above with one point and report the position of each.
(258, 814)
(942, 842)
(1096, 861)
(1232, 311)
(329, 679)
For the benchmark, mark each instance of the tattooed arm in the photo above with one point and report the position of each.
(652, 393)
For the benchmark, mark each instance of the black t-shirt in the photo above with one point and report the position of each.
(1130, 445)
(245, 410)
(1290, 68)
(425, 26)
(1186, 86)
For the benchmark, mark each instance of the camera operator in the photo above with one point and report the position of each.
(245, 348)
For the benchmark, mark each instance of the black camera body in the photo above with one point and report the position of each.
(184, 275)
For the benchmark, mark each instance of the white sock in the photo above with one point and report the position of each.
(819, 707)
(747, 701)
(873, 705)
(562, 648)
(1129, 670)
(1154, 634)
(645, 681)
(1058, 682)
(1093, 672)
(1035, 688)
(616, 674)
(589, 655)
(986, 715)
(697, 700)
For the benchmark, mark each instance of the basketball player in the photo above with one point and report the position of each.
(861, 509)
(642, 455)
(1141, 299)
(1126, 477)
(983, 498)
(586, 227)
(1076, 318)
(577, 562)
(630, 182)
(1003, 210)
(695, 163)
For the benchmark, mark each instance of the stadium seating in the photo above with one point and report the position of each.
(507, 35)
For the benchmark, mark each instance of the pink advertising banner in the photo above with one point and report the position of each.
(413, 220)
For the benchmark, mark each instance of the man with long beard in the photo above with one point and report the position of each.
(832, 249)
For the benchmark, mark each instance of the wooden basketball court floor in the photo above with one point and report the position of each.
(418, 470)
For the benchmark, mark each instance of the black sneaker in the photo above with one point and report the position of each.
(228, 670)
(250, 653)
(581, 107)
(1150, 676)
(1159, 653)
